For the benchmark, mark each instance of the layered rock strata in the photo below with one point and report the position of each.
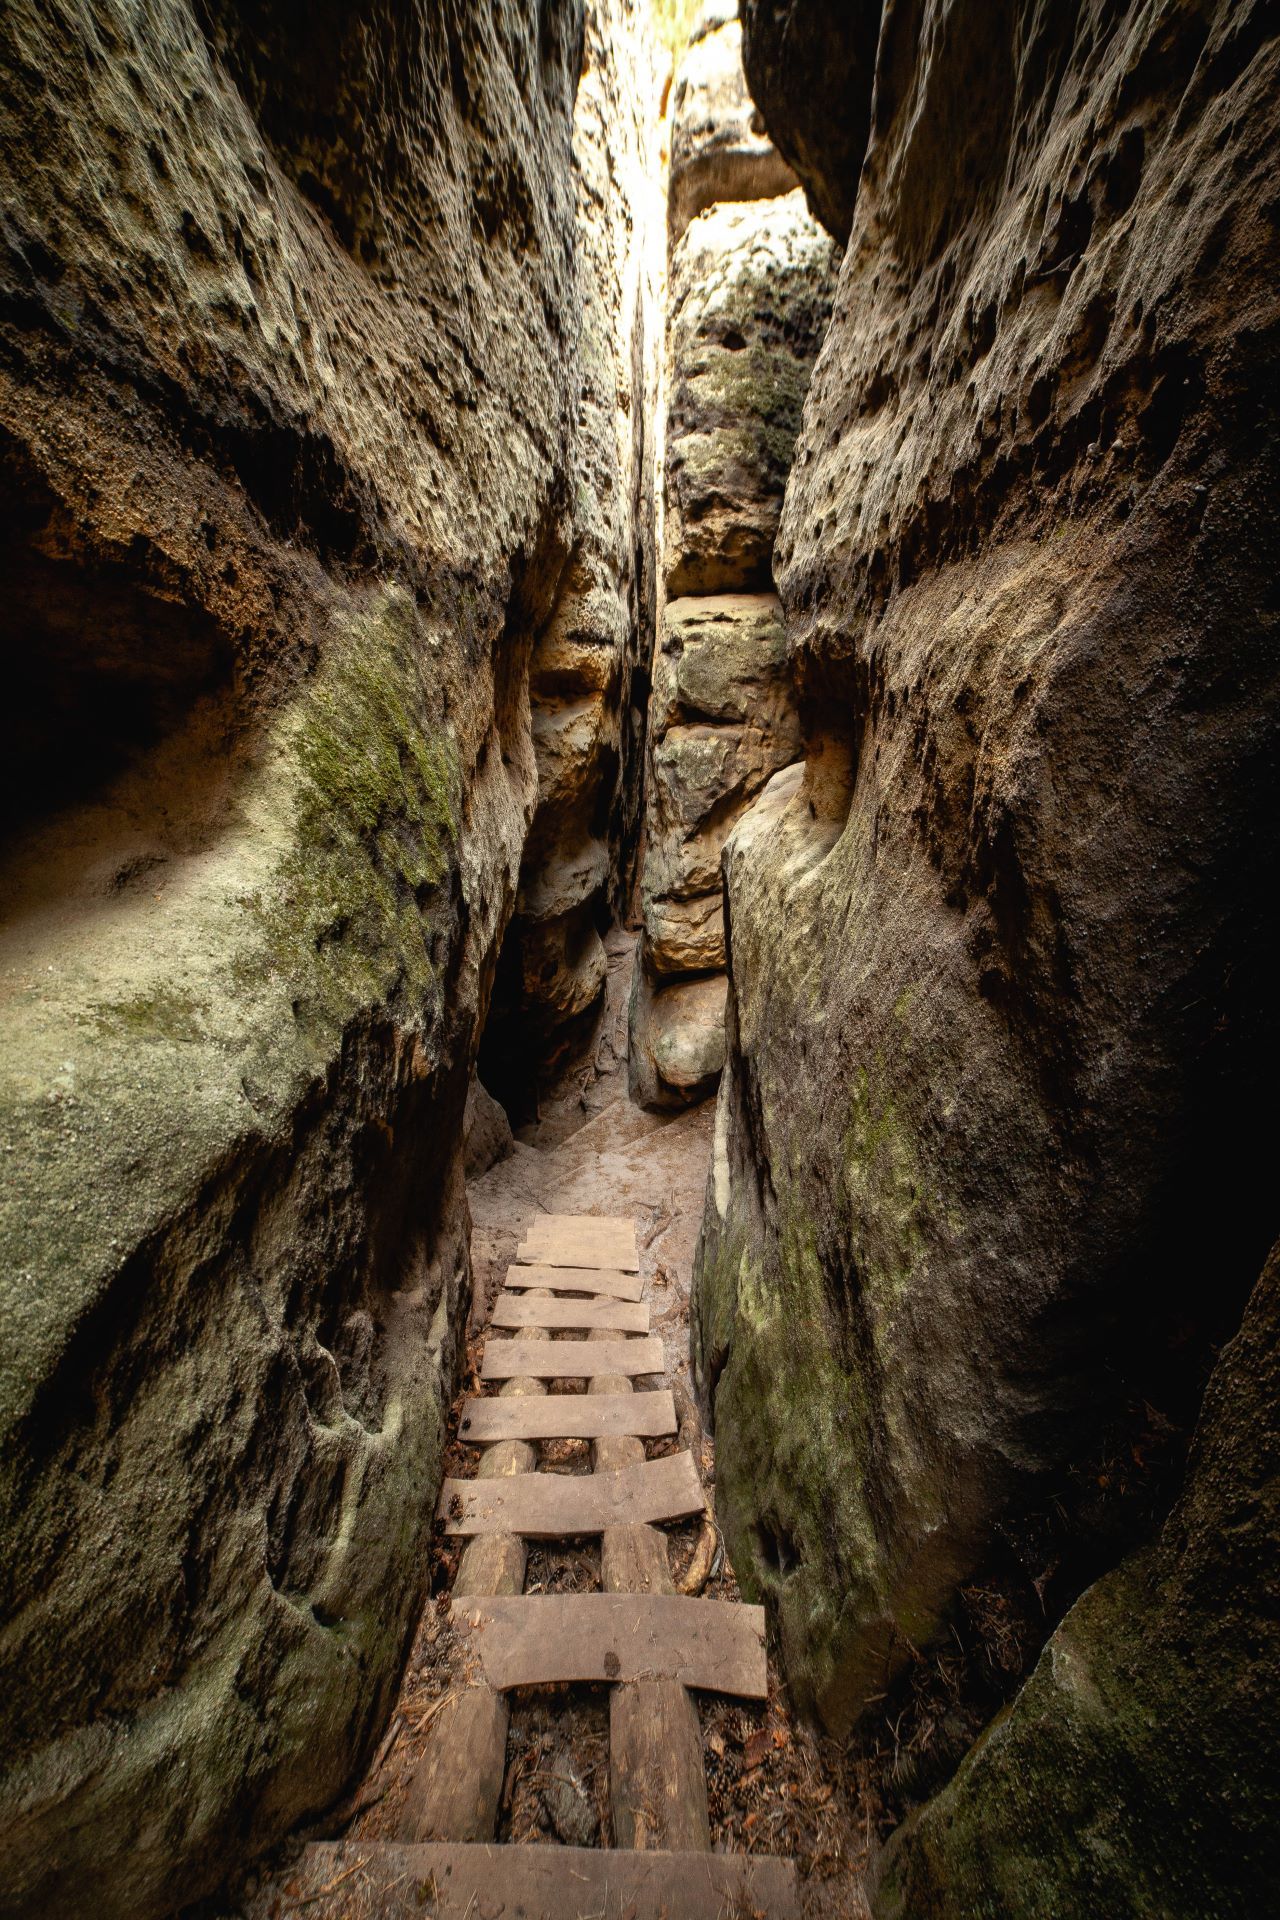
(989, 1172)
(589, 679)
(750, 289)
(289, 378)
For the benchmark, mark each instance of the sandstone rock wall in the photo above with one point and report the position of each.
(750, 289)
(810, 72)
(590, 675)
(994, 1145)
(289, 377)
(1136, 1772)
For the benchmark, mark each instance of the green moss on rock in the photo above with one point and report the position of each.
(790, 1428)
(378, 801)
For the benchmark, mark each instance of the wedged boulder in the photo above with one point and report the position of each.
(751, 289)
(1138, 1771)
(719, 149)
(677, 1040)
(685, 935)
(283, 466)
(1001, 1019)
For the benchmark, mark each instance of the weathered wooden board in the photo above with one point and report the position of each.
(657, 1787)
(339, 1878)
(615, 1316)
(570, 1359)
(568, 1416)
(546, 1506)
(538, 1639)
(632, 1560)
(581, 1240)
(606, 1280)
(455, 1788)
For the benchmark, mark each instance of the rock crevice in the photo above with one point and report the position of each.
(750, 288)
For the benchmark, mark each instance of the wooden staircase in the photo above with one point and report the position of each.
(648, 1644)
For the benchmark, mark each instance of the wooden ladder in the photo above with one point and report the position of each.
(578, 1274)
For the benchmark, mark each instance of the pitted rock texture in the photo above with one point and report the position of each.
(719, 149)
(989, 1166)
(1137, 1771)
(751, 288)
(589, 679)
(288, 389)
(810, 68)
(752, 281)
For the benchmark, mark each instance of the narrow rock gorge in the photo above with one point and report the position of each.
(575, 566)
(751, 280)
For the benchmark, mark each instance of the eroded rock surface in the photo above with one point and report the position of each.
(289, 374)
(723, 722)
(589, 678)
(989, 1170)
(751, 286)
(1136, 1772)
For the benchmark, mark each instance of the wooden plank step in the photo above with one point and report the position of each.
(570, 1359)
(568, 1416)
(581, 1240)
(530, 1640)
(619, 1286)
(336, 1879)
(545, 1506)
(617, 1316)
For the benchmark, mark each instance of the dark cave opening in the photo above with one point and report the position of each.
(101, 664)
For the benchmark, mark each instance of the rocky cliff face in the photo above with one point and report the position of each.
(989, 1174)
(810, 70)
(750, 289)
(589, 681)
(289, 377)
